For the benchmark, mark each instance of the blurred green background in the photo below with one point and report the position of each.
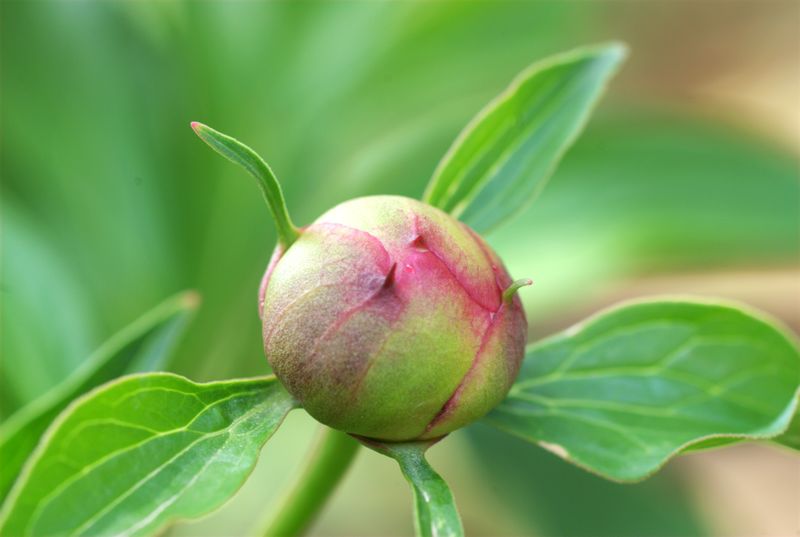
(686, 181)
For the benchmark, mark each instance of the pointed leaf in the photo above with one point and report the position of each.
(238, 153)
(144, 345)
(435, 512)
(503, 157)
(141, 451)
(633, 386)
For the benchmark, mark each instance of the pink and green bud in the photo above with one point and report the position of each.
(387, 318)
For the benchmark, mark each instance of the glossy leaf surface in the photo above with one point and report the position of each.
(629, 388)
(144, 345)
(503, 157)
(141, 451)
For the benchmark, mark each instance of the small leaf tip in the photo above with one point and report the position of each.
(508, 294)
(616, 50)
(191, 299)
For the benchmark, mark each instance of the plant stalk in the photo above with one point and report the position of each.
(326, 466)
(435, 511)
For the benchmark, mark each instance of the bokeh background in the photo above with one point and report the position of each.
(686, 181)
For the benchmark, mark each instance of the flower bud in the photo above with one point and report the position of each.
(387, 318)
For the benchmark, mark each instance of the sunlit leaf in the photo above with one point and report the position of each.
(141, 451)
(626, 390)
(502, 158)
(144, 345)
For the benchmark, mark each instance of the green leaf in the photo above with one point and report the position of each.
(141, 451)
(144, 345)
(713, 197)
(553, 497)
(38, 290)
(435, 512)
(631, 387)
(503, 157)
(791, 436)
(238, 153)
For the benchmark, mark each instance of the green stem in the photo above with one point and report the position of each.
(508, 294)
(326, 467)
(240, 154)
(435, 511)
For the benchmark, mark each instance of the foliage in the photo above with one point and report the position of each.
(503, 157)
(145, 345)
(141, 451)
(713, 196)
(631, 387)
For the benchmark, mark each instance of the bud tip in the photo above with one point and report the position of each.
(508, 294)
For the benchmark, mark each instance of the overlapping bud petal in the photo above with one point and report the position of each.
(386, 318)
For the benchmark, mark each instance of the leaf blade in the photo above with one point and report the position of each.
(114, 462)
(144, 345)
(625, 391)
(503, 157)
(240, 154)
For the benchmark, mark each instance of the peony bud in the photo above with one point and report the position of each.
(387, 318)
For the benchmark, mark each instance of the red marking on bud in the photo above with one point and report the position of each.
(389, 281)
(351, 313)
(451, 405)
(419, 244)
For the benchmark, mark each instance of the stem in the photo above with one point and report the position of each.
(435, 511)
(240, 154)
(326, 467)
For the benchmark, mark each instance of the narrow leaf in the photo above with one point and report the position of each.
(623, 392)
(435, 512)
(144, 345)
(503, 157)
(141, 451)
(238, 153)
